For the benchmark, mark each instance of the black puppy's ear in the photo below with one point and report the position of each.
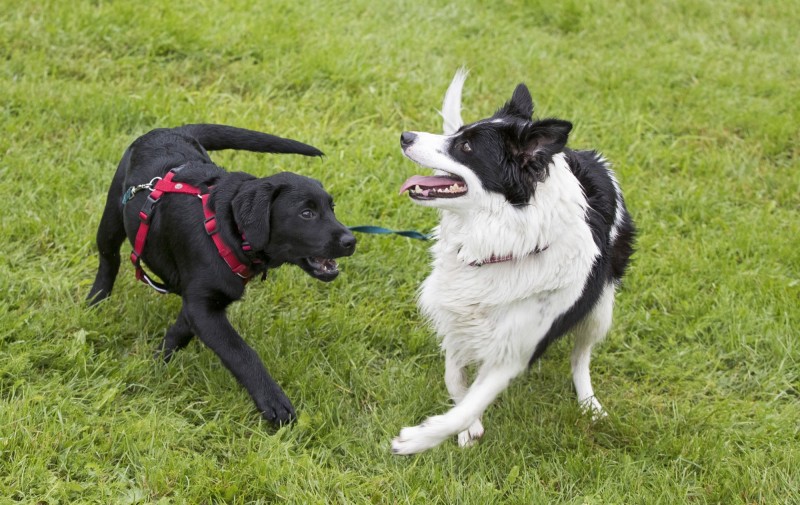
(520, 105)
(251, 211)
(541, 140)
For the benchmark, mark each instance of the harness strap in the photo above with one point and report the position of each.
(167, 185)
(226, 252)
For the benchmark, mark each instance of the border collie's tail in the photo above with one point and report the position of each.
(215, 137)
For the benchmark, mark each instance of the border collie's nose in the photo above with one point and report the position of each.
(407, 138)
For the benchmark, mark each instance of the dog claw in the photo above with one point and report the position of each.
(278, 410)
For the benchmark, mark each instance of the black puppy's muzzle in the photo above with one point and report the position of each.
(407, 138)
(325, 267)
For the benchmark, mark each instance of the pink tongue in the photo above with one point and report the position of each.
(427, 182)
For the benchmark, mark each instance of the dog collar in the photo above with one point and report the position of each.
(502, 259)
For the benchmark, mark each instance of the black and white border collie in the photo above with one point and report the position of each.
(533, 240)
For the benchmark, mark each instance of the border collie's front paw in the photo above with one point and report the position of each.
(413, 440)
(471, 435)
(410, 441)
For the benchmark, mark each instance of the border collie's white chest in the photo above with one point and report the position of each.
(501, 310)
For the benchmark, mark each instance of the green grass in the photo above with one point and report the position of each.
(696, 103)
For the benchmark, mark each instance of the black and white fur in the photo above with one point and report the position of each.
(557, 220)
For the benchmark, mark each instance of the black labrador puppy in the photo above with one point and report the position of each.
(264, 222)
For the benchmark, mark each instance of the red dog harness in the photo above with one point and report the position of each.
(166, 185)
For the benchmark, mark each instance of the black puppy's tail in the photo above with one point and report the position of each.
(216, 137)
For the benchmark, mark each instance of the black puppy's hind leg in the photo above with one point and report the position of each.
(178, 336)
(110, 236)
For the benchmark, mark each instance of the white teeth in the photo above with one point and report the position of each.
(454, 188)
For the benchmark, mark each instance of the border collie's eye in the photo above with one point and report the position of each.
(307, 214)
(465, 148)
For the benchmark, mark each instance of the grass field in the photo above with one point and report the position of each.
(696, 102)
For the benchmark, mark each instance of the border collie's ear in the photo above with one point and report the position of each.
(520, 105)
(251, 211)
(542, 140)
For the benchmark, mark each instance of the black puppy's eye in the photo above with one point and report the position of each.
(465, 148)
(307, 214)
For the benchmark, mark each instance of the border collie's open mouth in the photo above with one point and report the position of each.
(421, 187)
(324, 269)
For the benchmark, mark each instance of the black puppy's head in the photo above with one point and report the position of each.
(290, 219)
(507, 154)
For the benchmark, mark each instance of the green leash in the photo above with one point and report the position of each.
(377, 230)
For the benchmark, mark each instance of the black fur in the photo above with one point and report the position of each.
(287, 218)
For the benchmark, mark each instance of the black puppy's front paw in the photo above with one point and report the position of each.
(277, 409)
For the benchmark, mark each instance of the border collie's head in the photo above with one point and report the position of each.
(507, 154)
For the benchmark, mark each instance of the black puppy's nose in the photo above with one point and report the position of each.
(407, 138)
(347, 242)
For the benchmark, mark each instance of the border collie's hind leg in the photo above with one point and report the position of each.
(455, 378)
(592, 329)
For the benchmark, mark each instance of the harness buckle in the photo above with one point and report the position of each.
(210, 225)
(147, 209)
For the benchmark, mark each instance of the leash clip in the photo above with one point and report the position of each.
(135, 189)
(148, 186)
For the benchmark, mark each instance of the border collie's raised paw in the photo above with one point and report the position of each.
(415, 439)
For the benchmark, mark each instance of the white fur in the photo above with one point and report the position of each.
(451, 107)
(495, 315)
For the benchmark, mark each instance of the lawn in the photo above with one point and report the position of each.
(697, 104)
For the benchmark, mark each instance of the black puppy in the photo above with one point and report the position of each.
(285, 218)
